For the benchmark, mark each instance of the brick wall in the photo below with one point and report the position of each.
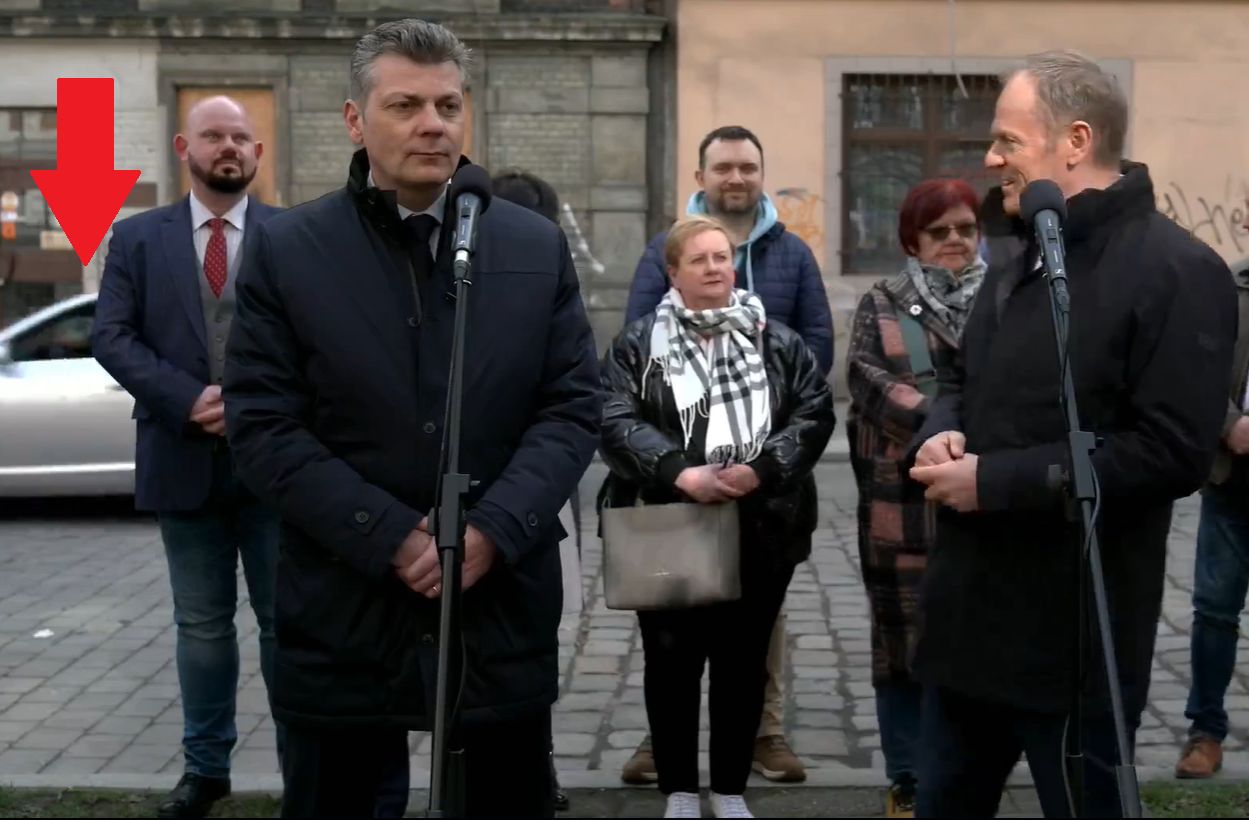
(319, 147)
(567, 101)
(583, 6)
(577, 118)
(138, 142)
(553, 146)
(135, 7)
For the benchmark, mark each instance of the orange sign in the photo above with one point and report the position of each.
(8, 230)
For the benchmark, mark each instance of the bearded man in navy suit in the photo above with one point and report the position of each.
(164, 312)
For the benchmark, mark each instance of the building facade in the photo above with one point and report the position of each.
(856, 100)
(572, 90)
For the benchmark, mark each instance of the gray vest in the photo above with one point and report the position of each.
(218, 313)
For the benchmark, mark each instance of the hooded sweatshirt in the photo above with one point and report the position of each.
(765, 218)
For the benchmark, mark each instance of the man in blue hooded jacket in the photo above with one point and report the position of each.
(780, 268)
(770, 261)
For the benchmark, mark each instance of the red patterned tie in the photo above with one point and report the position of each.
(215, 256)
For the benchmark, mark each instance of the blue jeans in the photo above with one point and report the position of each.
(203, 548)
(898, 713)
(1220, 581)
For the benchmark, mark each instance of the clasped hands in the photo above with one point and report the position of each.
(209, 411)
(418, 564)
(949, 472)
(715, 484)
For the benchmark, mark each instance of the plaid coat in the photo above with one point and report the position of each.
(896, 524)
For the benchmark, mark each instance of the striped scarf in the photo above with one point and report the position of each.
(712, 362)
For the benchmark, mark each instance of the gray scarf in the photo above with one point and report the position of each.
(948, 295)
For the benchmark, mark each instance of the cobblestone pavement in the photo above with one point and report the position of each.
(88, 688)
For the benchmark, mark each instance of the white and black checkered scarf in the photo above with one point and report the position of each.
(712, 362)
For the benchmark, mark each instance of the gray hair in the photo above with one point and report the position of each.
(1071, 87)
(419, 40)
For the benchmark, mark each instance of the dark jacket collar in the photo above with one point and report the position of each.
(1090, 213)
(1093, 213)
(378, 206)
(1093, 216)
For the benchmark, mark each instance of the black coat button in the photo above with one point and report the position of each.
(429, 427)
(533, 520)
(362, 517)
(412, 321)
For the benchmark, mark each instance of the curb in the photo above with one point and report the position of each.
(818, 777)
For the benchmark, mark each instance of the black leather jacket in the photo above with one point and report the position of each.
(642, 439)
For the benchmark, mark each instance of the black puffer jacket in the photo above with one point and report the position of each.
(642, 439)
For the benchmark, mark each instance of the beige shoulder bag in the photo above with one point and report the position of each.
(671, 556)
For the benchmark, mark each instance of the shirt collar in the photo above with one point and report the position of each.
(435, 210)
(200, 213)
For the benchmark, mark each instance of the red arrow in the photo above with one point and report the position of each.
(84, 191)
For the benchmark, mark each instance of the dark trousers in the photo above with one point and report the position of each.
(733, 638)
(203, 549)
(1220, 580)
(351, 773)
(898, 704)
(969, 746)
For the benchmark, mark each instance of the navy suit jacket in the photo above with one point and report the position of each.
(149, 335)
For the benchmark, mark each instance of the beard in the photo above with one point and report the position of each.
(744, 202)
(221, 183)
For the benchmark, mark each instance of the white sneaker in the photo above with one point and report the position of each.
(729, 805)
(684, 804)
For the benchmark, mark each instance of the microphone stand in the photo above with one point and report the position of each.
(1083, 490)
(446, 783)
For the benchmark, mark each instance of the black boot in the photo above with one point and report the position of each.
(558, 797)
(194, 796)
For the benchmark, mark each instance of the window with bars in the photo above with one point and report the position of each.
(898, 130)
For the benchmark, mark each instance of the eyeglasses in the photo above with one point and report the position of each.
(941, 232)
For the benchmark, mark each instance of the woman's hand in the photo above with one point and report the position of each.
(738, 480)
(703, 484)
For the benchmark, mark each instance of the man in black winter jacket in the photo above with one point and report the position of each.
(1152, 328)
(336, 383)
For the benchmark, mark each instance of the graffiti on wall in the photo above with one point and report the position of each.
(1218, 220)
(803, 214)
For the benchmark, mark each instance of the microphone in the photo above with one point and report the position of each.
(470, 195)
(1043, 206)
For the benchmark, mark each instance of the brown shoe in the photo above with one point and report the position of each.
(1201, 758)
(776, 761)
(640, 770)
(900, 801)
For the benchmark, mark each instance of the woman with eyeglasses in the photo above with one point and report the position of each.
(905, 336)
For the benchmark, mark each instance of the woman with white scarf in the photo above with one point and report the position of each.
(710, 402)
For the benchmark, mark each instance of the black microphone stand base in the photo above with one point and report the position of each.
(454, 791)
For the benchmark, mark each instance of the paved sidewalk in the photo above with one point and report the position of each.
(88, 689)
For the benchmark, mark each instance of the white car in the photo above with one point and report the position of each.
(65, 424)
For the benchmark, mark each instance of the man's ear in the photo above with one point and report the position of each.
(353, 116)
(1078, 143)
